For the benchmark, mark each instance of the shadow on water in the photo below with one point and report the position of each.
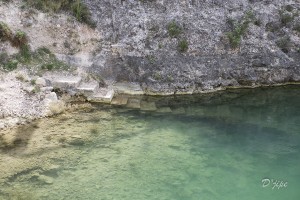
(20, 139)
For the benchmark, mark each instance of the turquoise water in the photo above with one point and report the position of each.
(208, 147)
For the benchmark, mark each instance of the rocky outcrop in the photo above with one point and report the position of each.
(137, 45)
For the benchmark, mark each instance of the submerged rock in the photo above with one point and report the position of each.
(45, 179)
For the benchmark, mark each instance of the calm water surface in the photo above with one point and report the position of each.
(208, 147)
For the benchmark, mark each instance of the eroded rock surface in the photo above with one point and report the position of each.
(138, 47)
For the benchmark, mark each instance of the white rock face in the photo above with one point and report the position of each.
(143, 49)
(40, 82)
(18, 101)
(51, 97)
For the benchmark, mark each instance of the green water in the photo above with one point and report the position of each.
(207, 147)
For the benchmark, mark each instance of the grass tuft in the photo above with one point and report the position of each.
(239, 28)
(183, 45)
(174, 29)
(5, 32)
(76, 7)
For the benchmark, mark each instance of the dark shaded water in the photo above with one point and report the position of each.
(239, 144)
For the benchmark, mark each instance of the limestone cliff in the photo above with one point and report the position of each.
(138, 45)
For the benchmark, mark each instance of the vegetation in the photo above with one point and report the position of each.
(20, 39)
(183, 45)
(42, 59)
(6, 63)
(78, 9)
(46, 60)
(24, 55)
(82, 13)
(287, 15)
(10, 65)
(257, 22)
(239, 29)
(151, 58)
(289, 8)
(284, 44)
(6, 1)
(297, 28)
(5, 32)
(174, 30)
(286, 18)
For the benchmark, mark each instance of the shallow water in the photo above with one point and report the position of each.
(208, 147)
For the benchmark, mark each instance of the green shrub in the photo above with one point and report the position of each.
(6, 1)
(32, 82)
(236, 34)
(183, 45)
(239, 29)
(284, 44)
(50, 5)
(297, 28)
(20, 39)
(43, 50)
(78, 9)
(5, 32)
(174, 30)
(82, 13)
(257, 22)
(286, 18)
(24, 55)
(273, 27)
(234, 39)
(289, 8)
(48, 66)
(47, 60)
(10, 65)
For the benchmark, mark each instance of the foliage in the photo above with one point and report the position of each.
(82, 13)
(297, 28)
(24, 55)
(273, 27)
(174, 29)
(10, 65)
(20, 39)
(78, 9)
(5, 32)
(286, 18)
(284, 44)
(239, 28)
(42, 59)
(151, 59)
(257, 22)
(32, 82)
(183, 45)
(287, 15)
(7, 63)
(6, 1)
(289, 8)
(46, 60)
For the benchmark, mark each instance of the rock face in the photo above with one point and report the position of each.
(138, 45)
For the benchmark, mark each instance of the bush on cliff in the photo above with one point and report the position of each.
(78, 9)
(5, 32)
